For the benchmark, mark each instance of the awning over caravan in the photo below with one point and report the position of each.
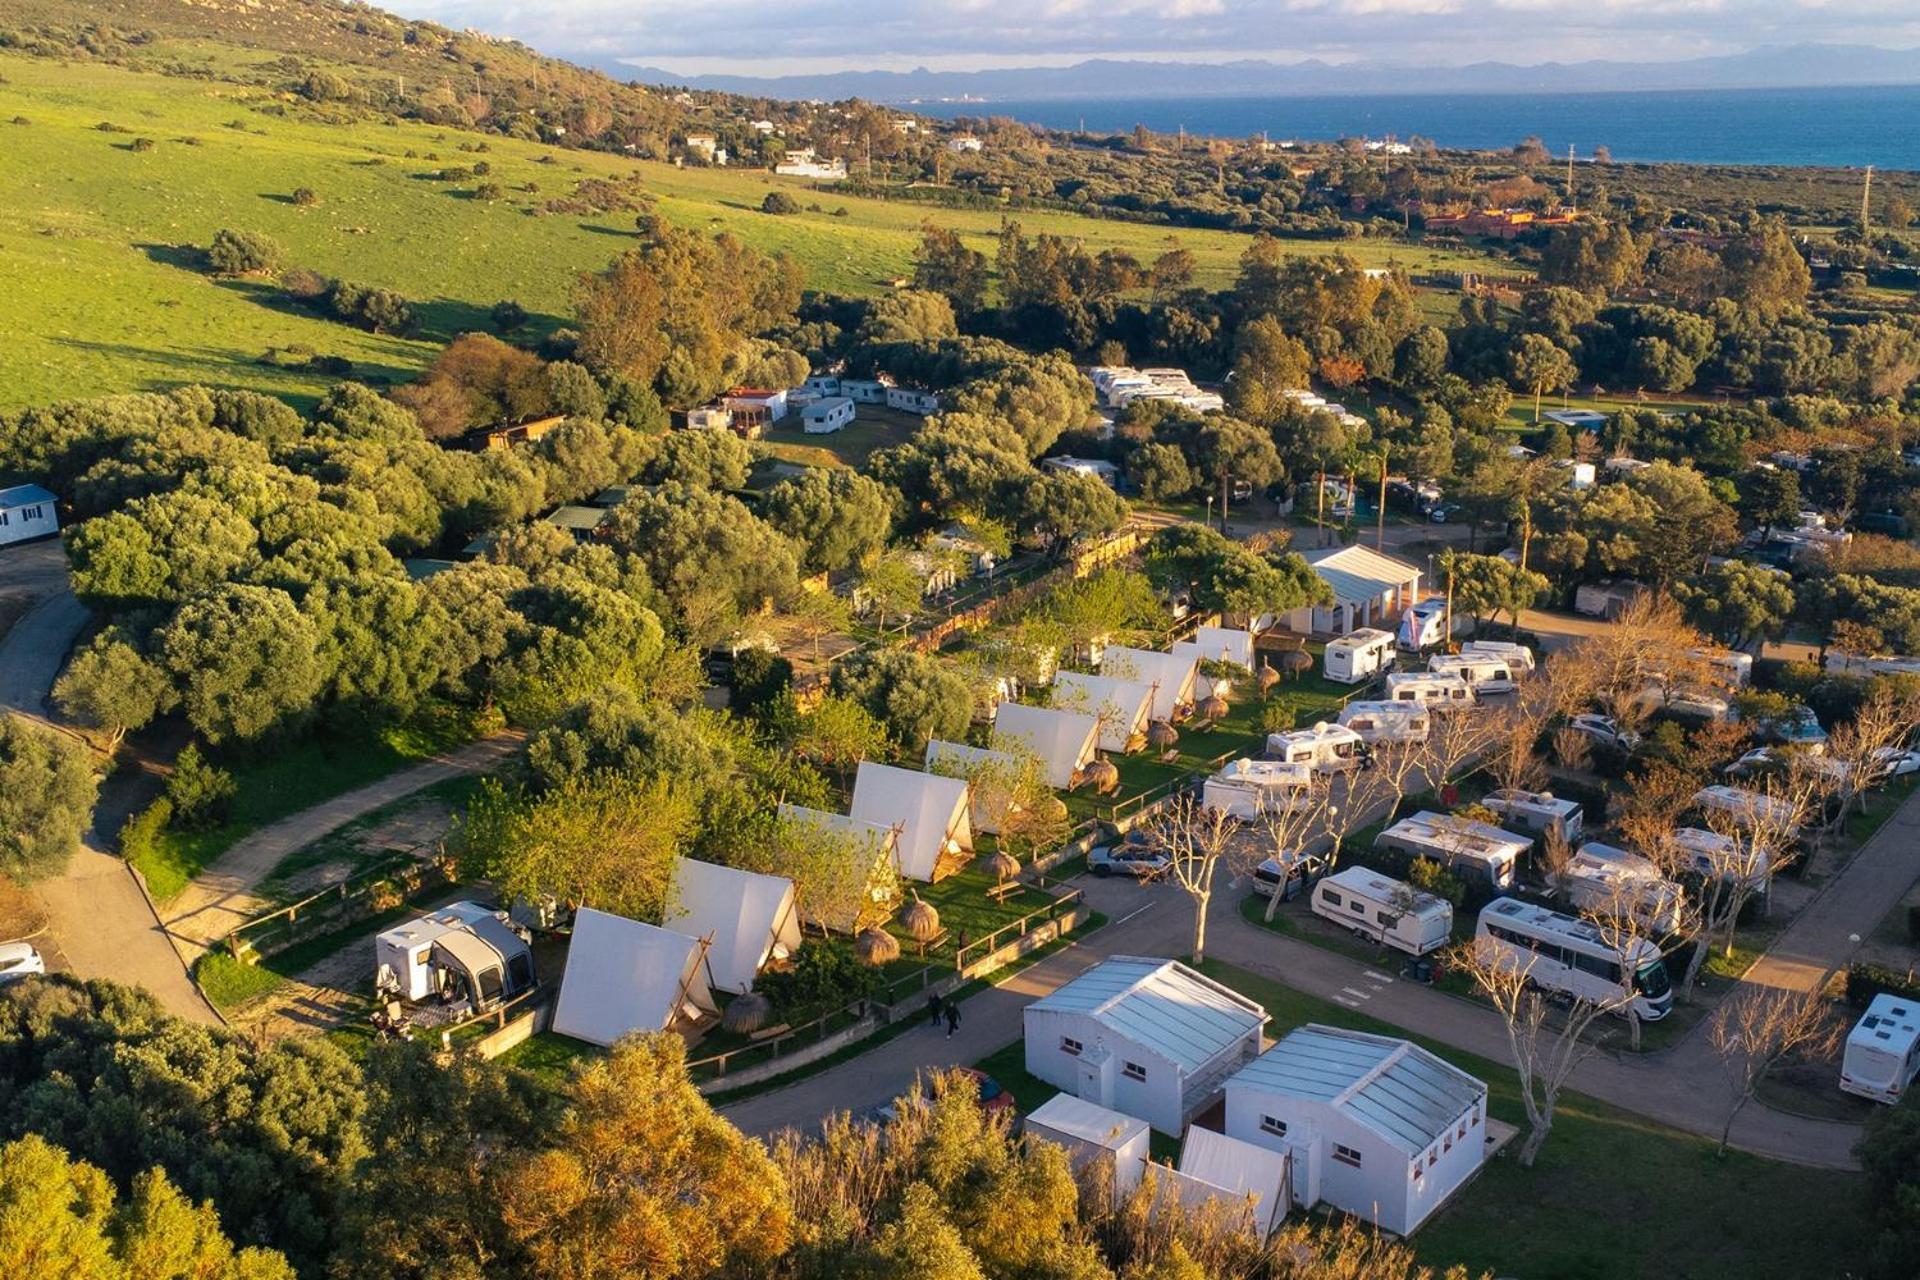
(625, 976)
(930, 812)
(747, 918)
(1123, 707)
(1064, 740)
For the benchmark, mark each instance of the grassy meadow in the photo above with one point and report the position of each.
(100, 239)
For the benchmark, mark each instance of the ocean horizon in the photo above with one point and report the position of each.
(1837, 127)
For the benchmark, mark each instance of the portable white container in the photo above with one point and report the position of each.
(1475, 849)
(403, 955)
(1567, 954)
(1326, 748)
(1429, 688)
(1382, 723)
(1539, 813)
(1358, 656)
(1518, 657)
(1384, 910)
(1247, 788)
(1600, 878)
(1485, 673)
(1112, 1144)
(1883, 1050)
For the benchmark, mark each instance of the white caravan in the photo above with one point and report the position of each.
(1381, 723)
(1601, 878)
(1567, 954)
(1749, 812)
(1710, 854)
(1248, 788)
(1484, 672)
(1429, 689)
(1359, 655)
(1388, 911)
(1539, 813)
(1325, 748)
(1727, 668)
(1883, 1049)
(1424, 626)
(1475, 849)
(1517, 656)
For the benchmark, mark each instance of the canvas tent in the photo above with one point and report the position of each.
(929, 811)
(1171, 675)
(1123, 707)
(747, 918)
(1064, 740)
(1239, 1174)
(990, 773)
(868, 878)
(625, 976)
(1215, 644)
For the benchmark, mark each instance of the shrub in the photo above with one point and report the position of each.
(508, 316)
(1278, 715)
(141, 144)
(488, 191)
(826, 975)
(140, 834)
(306, 197)
(779, 202)
(200, 793)
(242, 253)
(1865, 981)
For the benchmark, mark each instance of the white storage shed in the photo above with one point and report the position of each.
(747, 918)
(1065, 741)
(625, 976)
(27, 511)
(1250, 1180)
(929, 811)
(1104, 1144)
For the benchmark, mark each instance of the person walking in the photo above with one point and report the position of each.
(933, 1010)
(953, 1017)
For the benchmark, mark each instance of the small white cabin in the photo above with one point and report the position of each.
(1430, 689)
(1359, 656)
(1250, 1184)
(1883, 1049)
(1380, 723)
(1384, 910)
(27, 511)
(1602, 878)
(1325, 748)
(1248, 788)
(1483, 672)
(1539, 813)
(826, 415)
(1102, 1145)
(1475, 849)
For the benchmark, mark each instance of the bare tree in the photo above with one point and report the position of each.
(1757, 1029)
(1625, 667)
(1195, 839)
(1751, 843)
(1293, 828)
(1885, 721)
(1632, 915)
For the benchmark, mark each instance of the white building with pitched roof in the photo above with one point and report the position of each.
(1065, 741)
(1146, 1037)
(929, 811)
(1368, 589)
(1376, 1127)
(1249, 1182)
(1095, 1137)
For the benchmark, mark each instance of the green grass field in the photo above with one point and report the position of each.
(100, 239)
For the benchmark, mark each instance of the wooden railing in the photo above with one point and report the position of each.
(255, 934)
(980, 948)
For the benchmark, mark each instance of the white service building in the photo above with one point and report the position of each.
(27, 511)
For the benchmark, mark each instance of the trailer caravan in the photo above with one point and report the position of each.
(1423, 626)
(1749, 812)
(1325, 748)
(1539, 813)
(1729, 669)
(1429, 689)
(1883, 1049)
(1248, 788)
(1606, 599)
(1601, 878)
(1567, 954)
(462, 949)
(1382, 723)
(1517, 656)
(1478, 851)
(1384, 910)
(1484, 672)
(1359, 656)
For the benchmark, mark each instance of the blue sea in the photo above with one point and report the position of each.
(1838, 127)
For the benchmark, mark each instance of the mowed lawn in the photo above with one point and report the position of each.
(99, 240)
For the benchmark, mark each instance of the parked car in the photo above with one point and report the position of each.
(1443, 513)
(19, 960)
(1895, 762)
(1135, 855)
(993, 1098)
(1605, 730)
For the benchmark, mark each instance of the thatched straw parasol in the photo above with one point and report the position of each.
(876, 947)
(1001, 865)
(1103, 774)
(1213, 708)
(1162, 736)
(920, 920)
(747, 1013)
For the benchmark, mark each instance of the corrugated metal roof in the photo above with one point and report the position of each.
(1396, 1088)
(1161, 1005)
(1358, 574)
(21, 494)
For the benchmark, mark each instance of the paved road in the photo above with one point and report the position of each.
(221, 897)
(34, 651)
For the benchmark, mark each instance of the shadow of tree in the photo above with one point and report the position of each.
(186, 257)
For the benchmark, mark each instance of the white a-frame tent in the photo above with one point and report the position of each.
(625, 976)
(929, 811)
(868, 875)
(1170, 674)
(1064, 740)
(1123, 707)
(747, 918)
(990, 773)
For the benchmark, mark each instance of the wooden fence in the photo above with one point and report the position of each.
(404, 872)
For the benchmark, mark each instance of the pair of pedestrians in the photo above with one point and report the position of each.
(939, 1010)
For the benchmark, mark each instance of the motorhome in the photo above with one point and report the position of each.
(1518, 656)
(1288, 871)
(1429, 689)
(1325, 748)
(1749, 812)
(1359, 656)
(1248, 788)
(1484, 672)
(1388, 911)
(1475, 849)
(1883, 1049)
(1726, 668)
(1539, 813)
(1567, 954)
(1711, 855)
(1423, 626)
(1382, 723)
(1602, 878)
(1606, 599)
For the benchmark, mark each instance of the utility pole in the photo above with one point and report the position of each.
(1380, 534)
(1573, 198)
(1866, 195)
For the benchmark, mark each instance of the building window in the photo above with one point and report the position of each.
(1346, 1155)
(1449, 1144)
(1463, 1130)
(1416, 1171)
(1069, 1045)
(1134, 1071)
(1433, 1159)
(1274, 1126)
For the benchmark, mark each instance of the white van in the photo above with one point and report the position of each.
(1286, 873)
(1883, 1050)
(1384, 910)
(1486, 674)
(1423, 626)
(1359, 655)
(1602, 878)
(1537, 812)
(1518, 657)
(1430, 689)
(1727, 668)
(1381, 723)
(1248, 788)
(1565, 953)
(1325, 748)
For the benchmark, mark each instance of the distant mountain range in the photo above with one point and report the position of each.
(1771, 66)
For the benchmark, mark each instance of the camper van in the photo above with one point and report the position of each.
(1287, 872)
(1248, 788)
(1605, 599)
(1518, 657)
(1883, 1049)
(1388, 911)
(1429, 689)
(1384, 723)
(1567, 954)
(1325, 748)
(1475, 850)
(1602, 878)
(1484, 672)
(1424, 626)
(1359, 655)
(1744, 811)
(1537, 812)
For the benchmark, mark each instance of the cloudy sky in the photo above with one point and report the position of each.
(767, 37)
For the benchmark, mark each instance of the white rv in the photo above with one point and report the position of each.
(1429, 689)
(1325, 748)
(1729, 669)
(1883, 1049)
(1567, 954)
(1484, 672)
(461, 950)
(1711, 854)
(1388, 911)
(1475, 849)
(1359, 655)
(1601, 878)
(1423, 626)
(1749, 812)
(1537, 812)
(1517, 656)
(1248, 788)
(1380, 723)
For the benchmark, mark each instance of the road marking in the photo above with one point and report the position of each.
(1136, 911)
(1377, 977)
(1351, 1004)
(1359, 995)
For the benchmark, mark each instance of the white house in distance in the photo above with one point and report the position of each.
(1093, 1135)
(1368, 589)
(747, 918)
(1097, 468)
(1377, 1127)
(826, 415)
(625, 976)
(1147, 1037)
(1123, 707)
(27, 511)
(913, 400)
(1065, 741)
(755, 406)
(929, 811)
(870, 850)
(990, 774)
(1171, 675)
